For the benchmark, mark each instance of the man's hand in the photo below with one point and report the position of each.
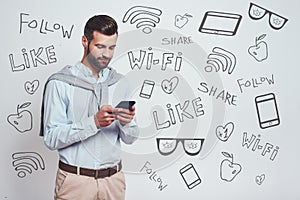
(104, 117)
(124, 115)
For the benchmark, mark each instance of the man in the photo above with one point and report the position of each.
(79, 120)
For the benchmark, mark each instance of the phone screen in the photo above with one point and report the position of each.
(125, 104)
(267, 110)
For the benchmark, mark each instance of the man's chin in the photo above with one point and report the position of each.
(103, 65)
(100, 65)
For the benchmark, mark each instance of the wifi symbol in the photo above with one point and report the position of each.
(143, 16)
(26, 162)
(220, 59)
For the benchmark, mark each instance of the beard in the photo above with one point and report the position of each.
(98, 63)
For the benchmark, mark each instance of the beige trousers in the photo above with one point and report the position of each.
(77, 187)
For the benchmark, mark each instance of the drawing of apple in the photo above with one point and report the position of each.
(22, 120)
(260, 50)
(180, 21)
(229, 169)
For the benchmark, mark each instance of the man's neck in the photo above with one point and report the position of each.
(95, 72)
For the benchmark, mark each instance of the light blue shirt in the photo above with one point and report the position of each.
(69, 129)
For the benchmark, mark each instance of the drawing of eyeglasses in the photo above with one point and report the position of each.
(192, 146)
(257, 12)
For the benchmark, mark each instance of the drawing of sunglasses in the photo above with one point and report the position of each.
(192, 146)
(257, 12)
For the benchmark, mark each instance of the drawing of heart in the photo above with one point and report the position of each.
(31, 87)
(169, 86)
(260, 179)
(223, 133)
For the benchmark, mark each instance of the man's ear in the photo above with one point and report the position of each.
(84, 41)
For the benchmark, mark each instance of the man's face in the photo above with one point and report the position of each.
(100, 50)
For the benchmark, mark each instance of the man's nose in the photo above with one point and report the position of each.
(106, 53)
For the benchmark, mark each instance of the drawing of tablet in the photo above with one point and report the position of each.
(220, 23)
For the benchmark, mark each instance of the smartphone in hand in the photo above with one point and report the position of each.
(125, 104)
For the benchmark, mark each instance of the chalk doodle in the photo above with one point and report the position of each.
(168, 86)
(255, 82)
(180, 21)
(218, 93)
(259, 50)
(228, 168)
(147, 89)
(31, 86)
(143, 16)
(220, 23)
(257, 12)
(255, 142)
(191, 146)
(267, 111)
(181, 40)
(153, 176)
(167, 60)
(190, 176)
(220, 59)
(41, 56)
(182, 111)
(22, 120)
(43, 26)
(224, 132)
(259, 179)
(25, 162)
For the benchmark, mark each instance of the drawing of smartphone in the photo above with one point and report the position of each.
(190, 176)
(220, 23)
(147, 89)
(267, 110)
(125, 104)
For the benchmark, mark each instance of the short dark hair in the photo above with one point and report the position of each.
(101, 23)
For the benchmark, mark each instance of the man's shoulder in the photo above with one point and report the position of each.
(59, 76)
(68, 69)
